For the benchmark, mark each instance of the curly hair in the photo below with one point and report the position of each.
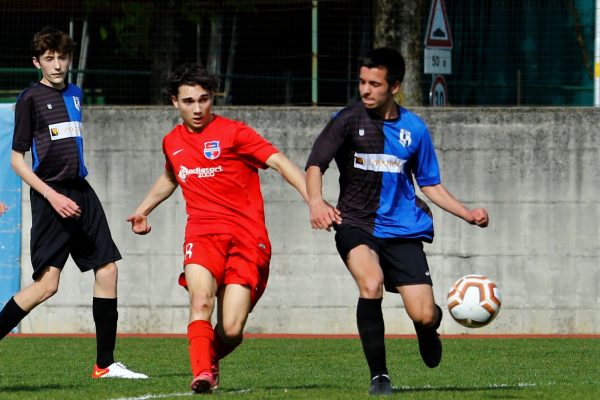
(192, 74)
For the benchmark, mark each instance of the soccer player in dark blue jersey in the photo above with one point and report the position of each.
(67, 217)
(379, 148)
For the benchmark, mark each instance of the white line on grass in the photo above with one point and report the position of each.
(162, 396)
(154, 396)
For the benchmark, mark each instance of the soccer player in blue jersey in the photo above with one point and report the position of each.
(380, 223)
(67, 217)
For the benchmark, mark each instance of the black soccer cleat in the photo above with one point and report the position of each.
(430, 345)
(381, 385)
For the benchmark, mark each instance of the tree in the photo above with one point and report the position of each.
(399, 24)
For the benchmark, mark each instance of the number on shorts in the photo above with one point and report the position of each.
(188, 250)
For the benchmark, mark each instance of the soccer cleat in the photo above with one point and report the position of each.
(381, 385)
(203, 383)
(116, 370)
(430, 345)
(214, 369)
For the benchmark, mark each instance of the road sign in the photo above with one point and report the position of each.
(438, 94)
(438, 31)
(438, 61)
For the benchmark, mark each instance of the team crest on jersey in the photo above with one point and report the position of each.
(212, 150)
(76, 102)
(404, 138)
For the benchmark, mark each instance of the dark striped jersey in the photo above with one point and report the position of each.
(377, 160)
(48, 121)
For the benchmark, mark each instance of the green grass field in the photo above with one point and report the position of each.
(60, 367)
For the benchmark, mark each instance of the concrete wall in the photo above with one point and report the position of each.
(535, 170)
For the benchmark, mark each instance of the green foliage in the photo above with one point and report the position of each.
(60, 368)
(133, 28)
(197, 11)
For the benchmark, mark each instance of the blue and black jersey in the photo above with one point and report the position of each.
(377, 160)
(48, 121)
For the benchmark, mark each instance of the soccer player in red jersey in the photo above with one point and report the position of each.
(226, 250)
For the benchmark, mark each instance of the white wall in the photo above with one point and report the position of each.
(535, 170)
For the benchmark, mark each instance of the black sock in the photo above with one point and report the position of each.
(220, 347)
(105, 316)
(371, 328)
(434, 327)
(10, 316)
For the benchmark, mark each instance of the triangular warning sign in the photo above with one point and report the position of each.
(438, 31)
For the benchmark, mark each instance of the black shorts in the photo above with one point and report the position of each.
(402, 261)
(87, 238)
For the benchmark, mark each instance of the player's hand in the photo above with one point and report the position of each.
(3, 209)
(64, 206)
(139, 224)
(479, 217)
(323, 215)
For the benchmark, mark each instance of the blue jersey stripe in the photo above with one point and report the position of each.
(34, 156)
(398, 215)
(72, 98)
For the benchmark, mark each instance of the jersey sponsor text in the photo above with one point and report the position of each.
(378, 162)
(198, 172)
(65, 130)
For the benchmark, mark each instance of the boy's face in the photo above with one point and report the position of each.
(375, 91)
(54, 67)
(194, 104)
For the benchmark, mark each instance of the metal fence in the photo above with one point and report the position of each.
(506, 52)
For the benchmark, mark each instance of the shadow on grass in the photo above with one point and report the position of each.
(33, 388)
(169, 375)
(396, 390)
(278, 388)
(458, 389)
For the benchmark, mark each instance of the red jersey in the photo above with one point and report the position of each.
(217, 170)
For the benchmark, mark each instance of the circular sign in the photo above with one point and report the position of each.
(438, 94)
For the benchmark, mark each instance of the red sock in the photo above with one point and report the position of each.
(200, 337)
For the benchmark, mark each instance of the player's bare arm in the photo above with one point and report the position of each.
(162, 189)
(322, 214)
(290, 172)
(3, 208)
(441, 197)
(64, 206)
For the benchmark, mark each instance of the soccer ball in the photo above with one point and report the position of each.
(474, 301)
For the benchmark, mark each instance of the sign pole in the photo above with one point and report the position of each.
(315, 53)
(597, 58)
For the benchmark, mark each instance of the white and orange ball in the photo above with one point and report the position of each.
(474, 301)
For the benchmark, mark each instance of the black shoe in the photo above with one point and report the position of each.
(430, 345)
(381, 386)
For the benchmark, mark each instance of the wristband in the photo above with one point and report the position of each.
(46, 191)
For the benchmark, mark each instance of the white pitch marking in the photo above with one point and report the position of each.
(162, 396)
(154, 396)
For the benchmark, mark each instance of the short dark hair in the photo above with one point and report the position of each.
(385, 57)
(192, 74)
(51, 39)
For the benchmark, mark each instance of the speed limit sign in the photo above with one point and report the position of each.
(438, 94)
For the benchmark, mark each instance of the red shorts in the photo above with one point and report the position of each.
(230, 261)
